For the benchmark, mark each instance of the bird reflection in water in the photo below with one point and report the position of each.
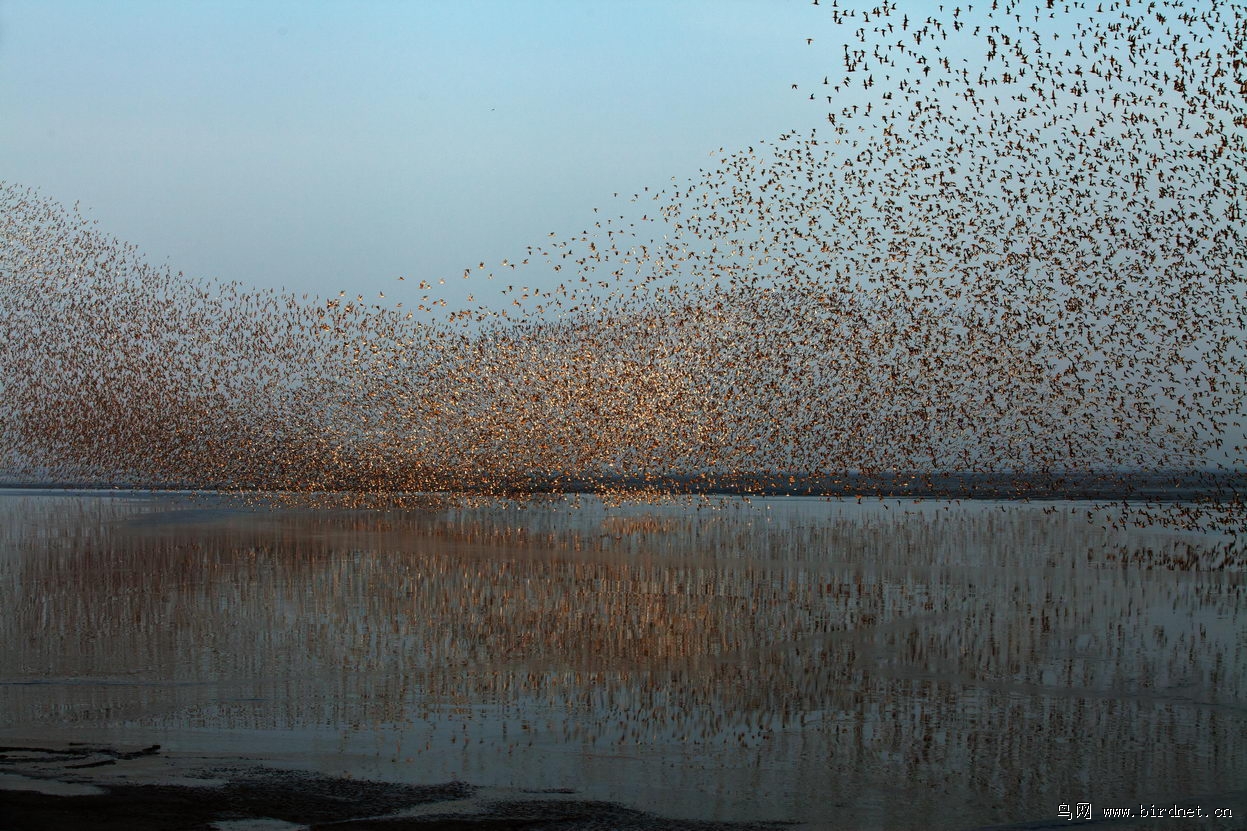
(834, 646)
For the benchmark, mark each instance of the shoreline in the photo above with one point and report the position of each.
(58, 785)
(1115, 486)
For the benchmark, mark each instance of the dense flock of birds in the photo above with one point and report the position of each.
(1013, 245)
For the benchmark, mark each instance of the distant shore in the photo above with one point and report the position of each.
(1154, 486)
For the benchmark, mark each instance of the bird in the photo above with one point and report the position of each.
(1013, 256)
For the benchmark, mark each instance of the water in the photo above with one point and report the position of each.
(877, 664)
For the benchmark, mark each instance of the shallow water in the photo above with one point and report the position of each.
(884, 664)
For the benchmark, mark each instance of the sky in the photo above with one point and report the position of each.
(337, 146)
(331, 146)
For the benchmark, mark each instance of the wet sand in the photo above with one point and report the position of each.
(64, 787)
(80, 786)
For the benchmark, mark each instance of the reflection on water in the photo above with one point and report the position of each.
(883, 663)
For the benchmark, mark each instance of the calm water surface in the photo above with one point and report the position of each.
(884, 664)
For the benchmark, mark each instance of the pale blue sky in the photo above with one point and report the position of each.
(330, 145)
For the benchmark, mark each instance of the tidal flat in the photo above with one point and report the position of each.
(888, 663)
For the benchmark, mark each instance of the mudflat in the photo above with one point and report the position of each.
(74, 785)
